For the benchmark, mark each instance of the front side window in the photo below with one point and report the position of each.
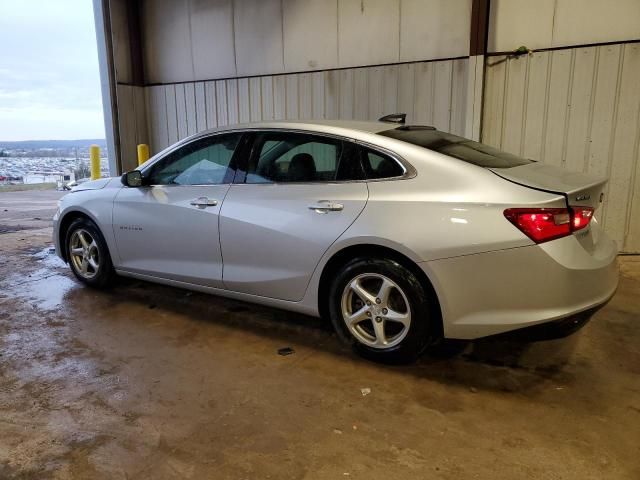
(206, 161)
(298, 157)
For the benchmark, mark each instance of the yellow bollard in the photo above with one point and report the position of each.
(94, 154)
(143, 153)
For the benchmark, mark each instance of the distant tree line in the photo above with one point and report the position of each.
(82, 170)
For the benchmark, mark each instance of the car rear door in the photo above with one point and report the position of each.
(169, 227)
(298, 194)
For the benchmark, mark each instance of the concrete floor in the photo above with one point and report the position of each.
(146, 381)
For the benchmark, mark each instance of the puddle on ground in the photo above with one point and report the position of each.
(44, 288)
(48, 258)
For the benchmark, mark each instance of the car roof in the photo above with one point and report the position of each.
(319, 125)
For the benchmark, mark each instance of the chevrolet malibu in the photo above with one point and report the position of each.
(400, 235)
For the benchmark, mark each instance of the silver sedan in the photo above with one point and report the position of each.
(401, 235)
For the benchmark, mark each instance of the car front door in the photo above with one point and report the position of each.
(298, 194)
(169, 227)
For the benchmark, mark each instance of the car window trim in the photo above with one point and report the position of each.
(247, 144)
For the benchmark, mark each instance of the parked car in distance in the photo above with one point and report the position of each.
(74, 183)
(400, 235)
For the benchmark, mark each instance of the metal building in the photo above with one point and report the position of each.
(171, 68)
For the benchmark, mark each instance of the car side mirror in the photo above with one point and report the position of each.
(132, 179)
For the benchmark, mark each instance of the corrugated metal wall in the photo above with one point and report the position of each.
(578, 108)
(132, 122)
(432, 93)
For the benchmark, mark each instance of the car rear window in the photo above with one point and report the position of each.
(457, 147)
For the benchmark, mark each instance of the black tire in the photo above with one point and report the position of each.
(423, 324)
(105, 274)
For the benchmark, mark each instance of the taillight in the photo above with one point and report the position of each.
(580, 218)
(544, 224)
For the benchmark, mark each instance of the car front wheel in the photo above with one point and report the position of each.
(88, 254)
(381, 309)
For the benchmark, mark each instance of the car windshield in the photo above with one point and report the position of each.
(457, 147)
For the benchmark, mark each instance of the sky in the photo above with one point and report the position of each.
(49, 78)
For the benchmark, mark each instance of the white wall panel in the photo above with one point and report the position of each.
(459, 80)
(233, 107)
(406, 89)
(346, 96)
(201, 106)
(424, 93)
(434, 29)
(578, 108)
(389, 89)
(167, 41)
(132, 123)
(442, 96)
(368, 32)
(258, 36)
(332, 94)
(534, 105)
(520, 22)
(624, 150)
(244, 109)
(212, 39)
(595, 21)
(279, 97)
(181, 111)
(310, 29)
(193, 40)
(157, 117)
(172, 114)
(120, 41)
(557, 23)
(266, 89)
(222, 115)
(318, 92)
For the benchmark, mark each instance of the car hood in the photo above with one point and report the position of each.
(92, 185)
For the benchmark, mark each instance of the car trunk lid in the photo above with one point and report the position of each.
(579, 189)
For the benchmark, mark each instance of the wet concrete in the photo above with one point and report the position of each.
(145, 381)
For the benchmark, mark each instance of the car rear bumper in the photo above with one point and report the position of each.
(552, 330)
(495, 292)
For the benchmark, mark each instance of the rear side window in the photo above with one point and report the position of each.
(457, 147)
(378, 166)
(297, 157)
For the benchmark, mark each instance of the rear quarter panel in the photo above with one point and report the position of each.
(448, 209)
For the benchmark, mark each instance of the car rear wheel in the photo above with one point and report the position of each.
(381, 309)
(88, 254)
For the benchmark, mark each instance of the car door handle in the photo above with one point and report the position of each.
(203, 202)
(324, 206)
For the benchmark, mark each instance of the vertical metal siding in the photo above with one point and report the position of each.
(133, 121)
(578, 108)
(429, 92)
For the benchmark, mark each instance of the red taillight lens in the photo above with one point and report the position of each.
(544, 224)
(580, 218)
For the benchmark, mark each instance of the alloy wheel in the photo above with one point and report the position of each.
(376, 310)
(84, 254)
